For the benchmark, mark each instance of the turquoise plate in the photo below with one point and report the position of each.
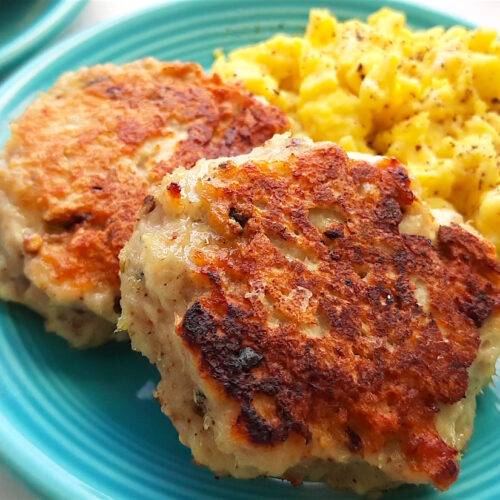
(26, 25)
(84, 424)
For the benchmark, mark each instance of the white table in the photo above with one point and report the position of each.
(481, 12)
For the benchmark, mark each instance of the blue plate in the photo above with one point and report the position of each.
(26, 25)
(84, 424)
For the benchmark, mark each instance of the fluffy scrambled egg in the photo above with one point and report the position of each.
(430, 98)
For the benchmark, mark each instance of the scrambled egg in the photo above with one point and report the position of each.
(430, 98)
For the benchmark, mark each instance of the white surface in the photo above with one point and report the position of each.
(480, 12)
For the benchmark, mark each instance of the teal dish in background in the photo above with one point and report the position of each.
(26, 25)
(84, 424)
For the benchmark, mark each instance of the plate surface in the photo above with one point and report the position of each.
(27, 24)
(84, 424)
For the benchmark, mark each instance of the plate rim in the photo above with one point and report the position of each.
(40, 31)
(39, 62)
(40, 474)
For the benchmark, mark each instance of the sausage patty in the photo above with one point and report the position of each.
(311, 318)
(78, 166)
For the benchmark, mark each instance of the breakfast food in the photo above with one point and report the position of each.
(311, 319)
(431, 98)
(78, 166)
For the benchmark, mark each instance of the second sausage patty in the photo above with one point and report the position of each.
(78, 166)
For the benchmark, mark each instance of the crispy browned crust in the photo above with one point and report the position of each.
(383, 365)
(89, 212)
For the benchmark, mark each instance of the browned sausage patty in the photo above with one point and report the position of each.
(78, 166)
(311, 319)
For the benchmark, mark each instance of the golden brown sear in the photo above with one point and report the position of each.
(378, 347)
(326, 307)
(82, 157)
